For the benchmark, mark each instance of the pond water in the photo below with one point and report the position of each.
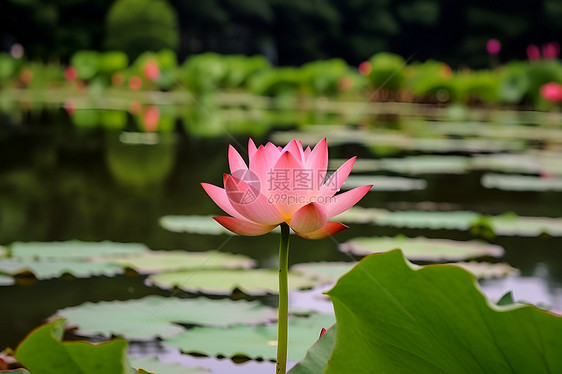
(61, 182)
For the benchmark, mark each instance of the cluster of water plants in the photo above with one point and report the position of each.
(384, 77)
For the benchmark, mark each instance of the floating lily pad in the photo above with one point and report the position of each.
(193, 224)
(252, 341)
(361, 165)
(313, 134)
(384, 183)
(55, 269)
(502, 225)
(332, 271)
(467, 145)
(6, 280)
(486, 270)
(427, 165)
(456, 220)
(359, 214)
(223, 282)
(423, 249)
(158, 261)
(521, 182)
(496, 130)
(158, 316)
(509, 163)
(323, 271)
(74, 250)
(412, 165)
(526, 226)
(153, 365)
(414, 219)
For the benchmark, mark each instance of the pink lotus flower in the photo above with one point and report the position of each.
(284, 185)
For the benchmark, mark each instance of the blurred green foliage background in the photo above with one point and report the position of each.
(289, 32)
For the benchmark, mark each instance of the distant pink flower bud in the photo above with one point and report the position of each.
(322, 332)
(26, 76)
(151, 118)
(552, 92)
(550, 50)
(345, 83)
(533, 52)
(69, 107)
(135, 83)
(135, 107)
(117, 79)
(493, 46)
(365, 68)
(70, 73)
(151, 70)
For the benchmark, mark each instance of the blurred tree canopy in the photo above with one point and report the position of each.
(136, 26)
(287, 31)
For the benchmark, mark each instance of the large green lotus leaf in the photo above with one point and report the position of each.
(74, 250)
(384, 183)
(521, 182)
(55, 269)
(6, 280)
(159, 261)
(193, 225)
(223, 282)
(43, 352)
(153, 365)
(158, 316)
(395, 317)
(252, 341)
(323, 271)
(422, 249)
(318, 355)
(486, 270)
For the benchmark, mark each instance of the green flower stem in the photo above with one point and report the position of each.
(283, 315)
